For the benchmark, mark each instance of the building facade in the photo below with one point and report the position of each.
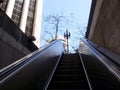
(26, 14)
(104, 25)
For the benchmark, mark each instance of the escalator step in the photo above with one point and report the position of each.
(69, 66)
(69, 75)
(69, 84)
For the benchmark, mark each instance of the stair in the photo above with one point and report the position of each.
(69, 74)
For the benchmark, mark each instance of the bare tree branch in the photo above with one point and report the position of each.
(57, 21)
(50, 34)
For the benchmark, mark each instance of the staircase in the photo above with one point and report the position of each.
(69, 74)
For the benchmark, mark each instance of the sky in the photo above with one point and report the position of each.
(77, 10)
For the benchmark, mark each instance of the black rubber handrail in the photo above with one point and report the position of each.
(86, 74)
(53, 72)
(113, 57)
(16, 66)
(114, 69)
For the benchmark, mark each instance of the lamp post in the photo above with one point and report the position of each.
(67, 36)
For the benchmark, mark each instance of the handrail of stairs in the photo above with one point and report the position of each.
(114, 69)
(39, 63)
(96, 63)
(86, 74)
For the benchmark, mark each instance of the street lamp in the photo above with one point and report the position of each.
(67, 35)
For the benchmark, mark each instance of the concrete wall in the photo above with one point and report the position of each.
(14, 44)
(10, 49)
(106, 31)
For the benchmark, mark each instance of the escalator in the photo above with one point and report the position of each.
(50, 69)
(33, 71)
(69, 74)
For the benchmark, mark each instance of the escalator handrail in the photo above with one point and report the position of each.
(16, 66)
(86, 74)
(53, 72)
(115, 70)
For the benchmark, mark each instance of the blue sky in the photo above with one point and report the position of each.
(79, 9)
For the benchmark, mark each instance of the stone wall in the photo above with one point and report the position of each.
(107, 29)
(10, 49)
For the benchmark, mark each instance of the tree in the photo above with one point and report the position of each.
(54, 24)
(79, 32)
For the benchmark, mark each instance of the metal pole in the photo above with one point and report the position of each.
(67, 46)
(67, 35)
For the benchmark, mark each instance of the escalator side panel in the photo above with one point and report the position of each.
(99, 74)
(34, 75)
